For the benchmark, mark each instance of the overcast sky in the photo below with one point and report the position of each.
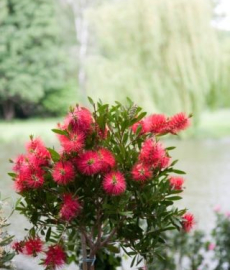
(224, 8)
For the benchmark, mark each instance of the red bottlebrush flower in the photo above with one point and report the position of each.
(18, 247)
(18, 163)
(188, 222)
(38, 154)
(114, 183)
(145, 125)
(164, 162)
(107, 160)
(178, 123)
(63, 172)
(36, 180)
(55, 257)
(151, 152)
(73, 143)
(88, 163)
(34, 144)
(158, 123)
(141, 172)
(79, 120)
(33, 246)
(176, 182)
(19, 185)
(136, 125)
(31, 177)
(70, 207)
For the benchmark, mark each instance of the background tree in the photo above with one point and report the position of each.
(158, 53)
(32, 65)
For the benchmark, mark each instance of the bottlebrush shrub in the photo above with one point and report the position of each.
(112, 185)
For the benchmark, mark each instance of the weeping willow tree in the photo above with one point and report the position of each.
(164, 54)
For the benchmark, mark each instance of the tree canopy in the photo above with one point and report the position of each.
(31, 62)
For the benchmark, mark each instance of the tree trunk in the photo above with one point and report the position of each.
(82, 35)
(8, 109)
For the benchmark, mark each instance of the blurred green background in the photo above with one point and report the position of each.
(166, 55)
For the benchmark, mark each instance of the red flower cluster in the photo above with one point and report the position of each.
(55, 257)
(159, 124)
(188, 222)
(152, 156)
(29, 167)
(176, 182)
(32, 246)
(70, 207)
(18, 246)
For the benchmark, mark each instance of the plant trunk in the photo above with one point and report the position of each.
(84, 252)
(91, 264)
(8, 109)
(87, 265)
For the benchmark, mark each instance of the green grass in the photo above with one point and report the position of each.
(19, 130)
(212, 125)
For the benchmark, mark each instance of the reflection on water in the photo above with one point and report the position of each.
(207, 164)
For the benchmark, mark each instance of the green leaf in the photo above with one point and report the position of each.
(174, 162)
(178, 171)
(133, 261)
(91, 101)
(7, 257)
(61, 132)
(140, 116)
(48, 234)
(174, 198)
(113, 249)
(55, 156)
(12, 174)
(170, 148)
(6, 241)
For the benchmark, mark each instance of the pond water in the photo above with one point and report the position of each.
(207, 163)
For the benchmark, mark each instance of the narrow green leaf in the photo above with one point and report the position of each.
(12, 174)
(133, 261)
(61, 132)
(178, 171)
(91, 101)
(48, 234)
(55, 156)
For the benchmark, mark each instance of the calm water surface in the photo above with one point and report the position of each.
(207, 163)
